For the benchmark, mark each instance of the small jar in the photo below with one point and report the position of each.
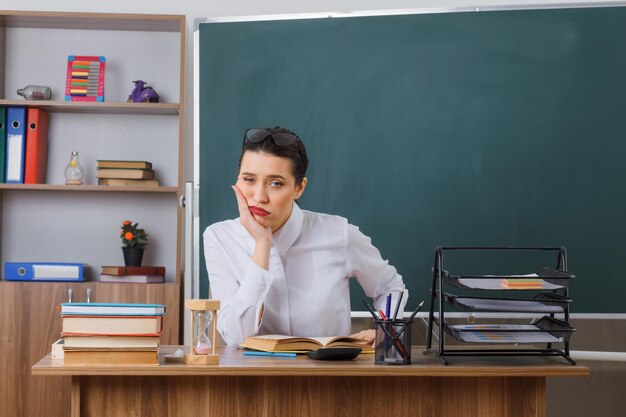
(35, 92)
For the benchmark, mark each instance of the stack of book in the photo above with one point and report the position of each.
(111, 333)
(117, 172)
(133, 274)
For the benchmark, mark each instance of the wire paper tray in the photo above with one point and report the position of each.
(506, 337)
(541, 303)
(545, 292)
(545, 330)
(495, 284)
(550, 279)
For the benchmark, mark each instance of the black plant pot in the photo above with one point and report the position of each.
(132, 256)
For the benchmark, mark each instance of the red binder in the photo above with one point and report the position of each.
(36, 146)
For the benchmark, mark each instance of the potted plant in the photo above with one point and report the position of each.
(134, 241)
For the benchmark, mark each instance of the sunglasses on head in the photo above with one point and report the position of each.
(279, 138)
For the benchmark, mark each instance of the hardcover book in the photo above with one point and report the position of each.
(133, 279)
(77, 325)
(110, 163)
(111, 357)
(126, 173)
(133, 270)
(110, 342)
(112, 309)
(126, 182)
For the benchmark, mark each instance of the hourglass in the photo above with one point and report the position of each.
(201, 346)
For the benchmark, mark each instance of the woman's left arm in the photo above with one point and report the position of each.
(373, 273)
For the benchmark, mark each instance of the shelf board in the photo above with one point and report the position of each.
(158, 109)
(92, 21)
(89, 188)
(88, 282)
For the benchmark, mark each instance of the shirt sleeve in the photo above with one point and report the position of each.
(241, 297)
(377, 278)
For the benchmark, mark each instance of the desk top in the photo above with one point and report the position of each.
(234, 363)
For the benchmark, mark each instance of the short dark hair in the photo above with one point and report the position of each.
(295, 152)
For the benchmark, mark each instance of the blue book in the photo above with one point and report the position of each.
(112, 309)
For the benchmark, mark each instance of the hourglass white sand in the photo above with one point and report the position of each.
(202, 349)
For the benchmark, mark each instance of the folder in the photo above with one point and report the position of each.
(36, 147)
(3, 140)
(43, 271)
(16, 119)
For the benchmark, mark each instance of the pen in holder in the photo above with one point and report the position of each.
(393, 342)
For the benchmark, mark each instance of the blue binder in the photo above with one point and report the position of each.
(3, 140)
(16, 145)
(43, 271)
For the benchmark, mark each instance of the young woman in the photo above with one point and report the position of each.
(278, 269)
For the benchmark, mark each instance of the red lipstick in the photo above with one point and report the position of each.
(258, 211)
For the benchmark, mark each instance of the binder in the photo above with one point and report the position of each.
(36, 146)
(16, 119)
(43, 271)
(3, 140)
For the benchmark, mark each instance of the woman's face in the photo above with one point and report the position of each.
(269, 186)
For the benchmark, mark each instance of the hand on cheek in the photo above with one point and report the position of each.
(256, 230)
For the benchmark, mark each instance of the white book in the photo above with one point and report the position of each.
(111, 342)
(145, 279)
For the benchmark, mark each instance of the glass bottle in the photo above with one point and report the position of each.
(202, 322)
(35, 92)
(74, 171)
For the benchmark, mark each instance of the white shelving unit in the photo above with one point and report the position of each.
(53, 222)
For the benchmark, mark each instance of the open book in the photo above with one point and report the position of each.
(279, 343)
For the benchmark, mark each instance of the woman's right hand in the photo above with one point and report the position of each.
(262, 235)
(259, 233)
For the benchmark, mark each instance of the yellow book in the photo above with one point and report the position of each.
(78, 325)
(127, 173)
(126, 182)
(111, 357)
(111, 163)
(280, 343)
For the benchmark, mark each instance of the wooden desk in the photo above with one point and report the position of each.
(261, 386)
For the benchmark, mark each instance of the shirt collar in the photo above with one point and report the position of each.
(285, 237)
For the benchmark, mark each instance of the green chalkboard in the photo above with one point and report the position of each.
(488, 128)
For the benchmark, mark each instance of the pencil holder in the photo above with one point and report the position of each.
(393, 342)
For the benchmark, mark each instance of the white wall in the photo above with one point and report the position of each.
(194, 9)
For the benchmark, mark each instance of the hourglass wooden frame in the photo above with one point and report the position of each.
(192, 358)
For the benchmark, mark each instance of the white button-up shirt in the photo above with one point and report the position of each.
(306, 291)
